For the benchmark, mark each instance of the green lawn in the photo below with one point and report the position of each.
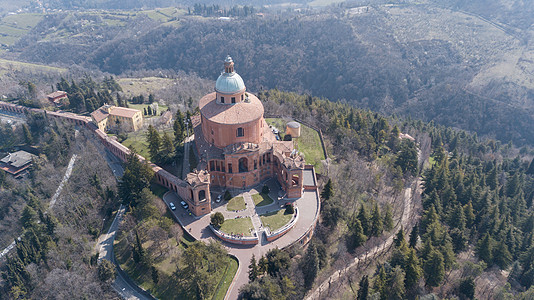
(225, 282)
(137, 140)
(309, 142)
(237, 226)
(275, 220)
(236, 203)
(261, 199)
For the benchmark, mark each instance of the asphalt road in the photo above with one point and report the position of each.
(123, 285)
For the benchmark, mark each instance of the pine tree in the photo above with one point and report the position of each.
(412, 269)
(364, 220)
(388, 219)
(376, 222)
(380, 282)
(154, 143)
(363, 291)
(328, 191)
(414, 235)
(396, 289)
(501, 255)
(485, 249)
(27, 134)
(167, 150)
(356, 236)
(399, 239)
(149, 110)
(253, 271)
(434, 269)
(310, 265)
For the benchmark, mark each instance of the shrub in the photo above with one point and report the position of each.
(290, 209)
(265, 189)
(227, 196)
(217, 219)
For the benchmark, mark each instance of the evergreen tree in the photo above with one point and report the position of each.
(364, 220)
(399, 239)
(154, 143)
(412, 269)
(485, 249)
(356, 237)
(178, 127)
(380, 282)
(501, 255)
(396, 289)
(136, 177)
(328, 190)
(363, 291)
(29, 217)
(27, 134)
(149, 110)
(310, 266)
(467, 288)
(434, 268)
(414, 235)
(376, 222)
(388, 218)
(167, 148)
(253, 271)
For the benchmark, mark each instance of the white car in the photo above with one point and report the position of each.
(219, 198)
(184, 205)
(171, 205)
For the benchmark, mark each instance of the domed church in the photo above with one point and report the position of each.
(235, 145)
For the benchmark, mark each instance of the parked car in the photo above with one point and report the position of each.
(184, 205)
(219, 198)
(171, 205)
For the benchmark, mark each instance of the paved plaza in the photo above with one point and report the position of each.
(198, 227)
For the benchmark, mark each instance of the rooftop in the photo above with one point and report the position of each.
(57, 94)
(17, 159)
(238, 113)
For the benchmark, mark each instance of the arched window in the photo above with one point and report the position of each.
(240, 132)
(202, 195)
(243, 165)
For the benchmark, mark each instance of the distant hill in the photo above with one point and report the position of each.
(423, 61)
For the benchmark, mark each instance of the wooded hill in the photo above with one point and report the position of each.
(422, 61)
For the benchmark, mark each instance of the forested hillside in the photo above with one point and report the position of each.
(54, 257)
(423, 61)
(476, 220)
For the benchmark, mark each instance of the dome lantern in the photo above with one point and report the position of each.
(229, 86)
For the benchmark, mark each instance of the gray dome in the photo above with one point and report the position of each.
(229, 83)
(293, 125)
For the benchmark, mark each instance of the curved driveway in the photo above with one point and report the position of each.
(308, 206)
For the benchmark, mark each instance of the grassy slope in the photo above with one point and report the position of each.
(309, 143)
(13, 27)
(138, 141)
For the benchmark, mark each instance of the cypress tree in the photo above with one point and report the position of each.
(388, 218)
(311, 265)
(363, 291)
(414, 235)
(376, 222)
(253, 270)
(364, 220)
(328, 190)
(356, 237)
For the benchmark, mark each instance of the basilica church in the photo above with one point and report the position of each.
(236, 147)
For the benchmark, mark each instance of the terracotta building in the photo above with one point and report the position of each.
(58, 98)
(110, 117)
(235, 144)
